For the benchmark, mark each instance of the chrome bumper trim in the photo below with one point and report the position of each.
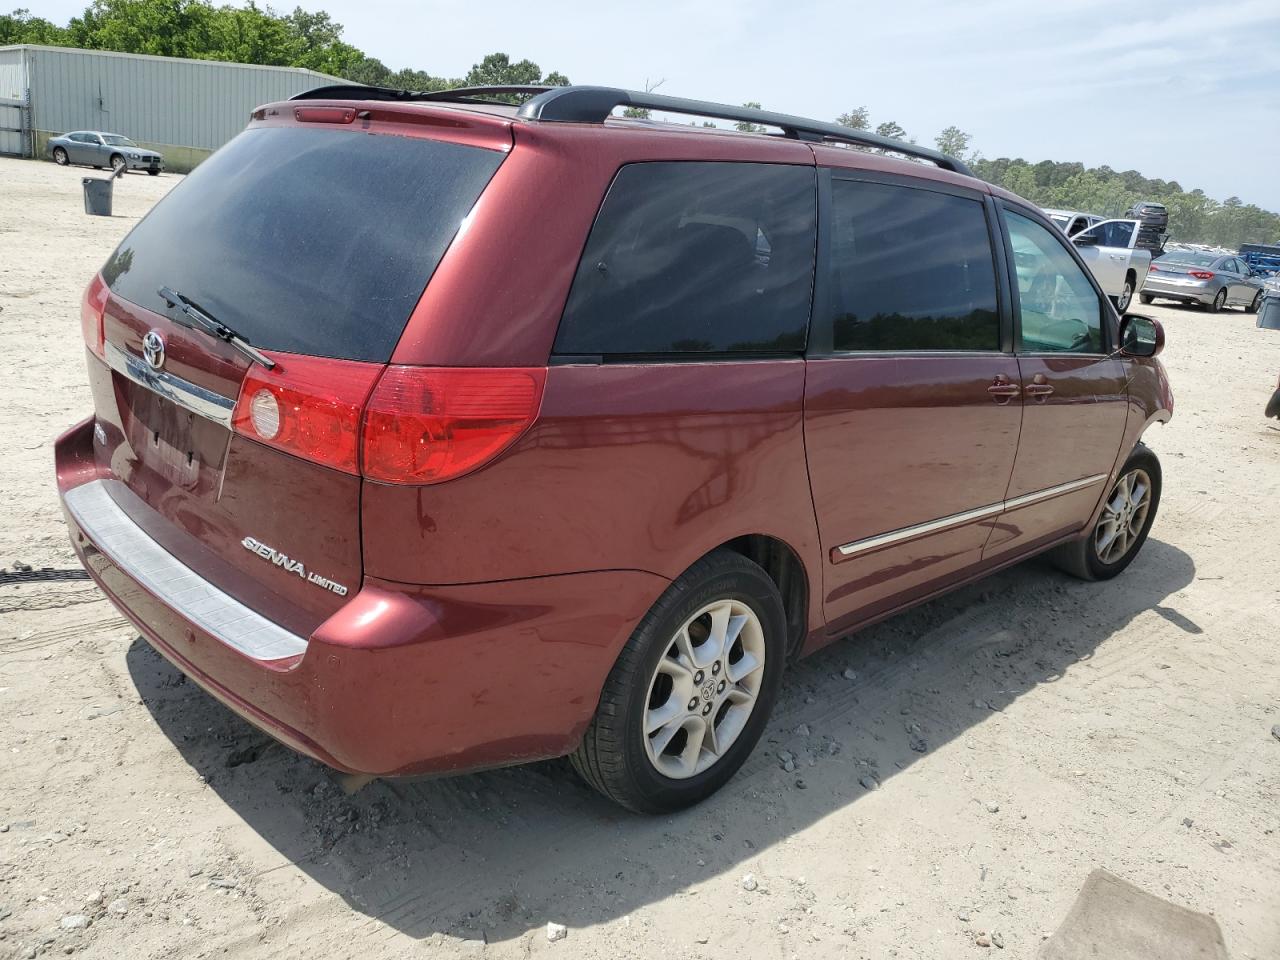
(222, 616)
(959, 519)
(190, 396)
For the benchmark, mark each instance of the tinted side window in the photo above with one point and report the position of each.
(697, 258)
(1058, 308)
(911, 270)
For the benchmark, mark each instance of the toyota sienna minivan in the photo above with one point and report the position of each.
(433, 432)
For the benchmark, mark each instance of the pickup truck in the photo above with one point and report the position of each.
(1110, 249)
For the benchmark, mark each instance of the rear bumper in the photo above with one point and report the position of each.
(403, 679)
(1173, 291)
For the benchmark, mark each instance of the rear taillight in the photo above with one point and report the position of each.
(307, 406)
(1154, 269)
(92, 306)
(1202, 274)
(429, 424)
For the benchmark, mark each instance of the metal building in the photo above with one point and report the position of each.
(186, 109)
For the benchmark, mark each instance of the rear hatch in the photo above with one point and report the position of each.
(313, 241)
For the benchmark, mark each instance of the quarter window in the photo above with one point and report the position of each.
(911, 270)
(697, 258)
(1058, 308)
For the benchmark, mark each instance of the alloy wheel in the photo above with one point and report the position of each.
(704, 689)
(1126, 295)
(1123, 516)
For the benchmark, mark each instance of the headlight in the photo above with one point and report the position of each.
(134, 156)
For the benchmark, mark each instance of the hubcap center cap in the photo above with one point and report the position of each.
(708, 691)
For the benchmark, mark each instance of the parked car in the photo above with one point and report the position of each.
(1152, 214)
(1211, 280)
(421, 473)
(1110, 248)
(96, 149)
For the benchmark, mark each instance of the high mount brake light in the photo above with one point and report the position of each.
(430, 424)
(93, 304)
(307, 406)
(395, 424)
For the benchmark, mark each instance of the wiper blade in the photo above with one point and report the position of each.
(197, 318)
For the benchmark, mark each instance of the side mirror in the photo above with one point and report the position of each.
(1140, 336)
(1085, 239)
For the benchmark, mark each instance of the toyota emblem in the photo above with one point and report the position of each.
(153, 349)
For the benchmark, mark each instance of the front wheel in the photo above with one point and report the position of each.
(691, 691)
(117, 164)
(1123, 525)
(60, 157)
(153, 173)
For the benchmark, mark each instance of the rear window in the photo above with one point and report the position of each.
(912, 270)
(306, 241)
(696, 258)
(1188, 259)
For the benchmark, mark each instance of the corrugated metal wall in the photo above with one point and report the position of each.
(156, 101)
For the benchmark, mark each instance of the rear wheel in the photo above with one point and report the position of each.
(1126, 295)
(60, 157)
(1255, 303)
(1145, 297)
(691, 691)
(1218, 301)
(1123, 525)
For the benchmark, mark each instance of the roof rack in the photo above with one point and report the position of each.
(584, 104)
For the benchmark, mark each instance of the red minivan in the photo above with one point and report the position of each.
(433, 432)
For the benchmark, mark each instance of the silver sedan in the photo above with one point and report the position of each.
(98, 149)
(1211, 280)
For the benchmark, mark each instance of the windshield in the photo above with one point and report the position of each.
(306, 241)
(1190, 259)
(117, 141)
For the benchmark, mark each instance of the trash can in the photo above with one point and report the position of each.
(1269, 312)
(97, 196)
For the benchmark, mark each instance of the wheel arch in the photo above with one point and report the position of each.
(785, 568)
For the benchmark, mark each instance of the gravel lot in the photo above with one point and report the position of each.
(1068, 726)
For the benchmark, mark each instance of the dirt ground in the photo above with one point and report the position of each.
(1126, 725)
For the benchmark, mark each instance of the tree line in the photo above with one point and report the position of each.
(258, 34)
(1193, 216)
(199, 30)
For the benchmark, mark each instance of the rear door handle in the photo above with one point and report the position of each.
(1039, 387)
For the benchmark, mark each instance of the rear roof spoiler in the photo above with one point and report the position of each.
(585, 104)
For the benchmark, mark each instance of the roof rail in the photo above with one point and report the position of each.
(352, 91)
(585, 104)
(594, 104)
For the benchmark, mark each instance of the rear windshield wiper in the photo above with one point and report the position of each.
(197, 318)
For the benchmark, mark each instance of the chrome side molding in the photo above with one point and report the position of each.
(190, 396)
(172, 582)
(959, 519)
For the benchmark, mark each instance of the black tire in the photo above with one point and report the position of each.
(612, 757)
(1255, 304)
(153, 173)
(1273, 405)
(1218, 301)
(60, 157)
(1145, 297)
(1080, 557)
(1126, 295)
(117, 162)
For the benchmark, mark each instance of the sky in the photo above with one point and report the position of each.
(1183, 91)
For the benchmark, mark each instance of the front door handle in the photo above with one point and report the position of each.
(1002, 389)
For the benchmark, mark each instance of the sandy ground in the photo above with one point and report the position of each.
(1069, 726)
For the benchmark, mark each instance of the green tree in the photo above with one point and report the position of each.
(21, 27)
(953, 141)
(891, 130)
(859, 118)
